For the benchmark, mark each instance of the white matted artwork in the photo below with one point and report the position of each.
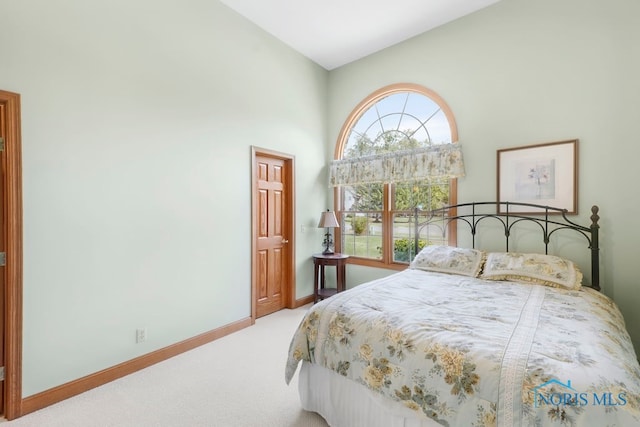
(541, 174)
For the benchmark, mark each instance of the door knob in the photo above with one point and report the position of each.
(285, 240)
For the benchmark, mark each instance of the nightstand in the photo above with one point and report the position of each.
(319, 278)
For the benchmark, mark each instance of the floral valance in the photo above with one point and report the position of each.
(438, 161)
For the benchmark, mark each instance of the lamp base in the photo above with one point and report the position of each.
(328, 243)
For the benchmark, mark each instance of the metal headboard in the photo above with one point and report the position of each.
(549, 219)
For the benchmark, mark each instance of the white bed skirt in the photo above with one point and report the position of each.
(345, 403)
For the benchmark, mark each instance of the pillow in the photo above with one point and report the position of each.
(543, 269)
(449, 259)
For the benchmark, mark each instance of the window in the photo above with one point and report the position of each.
(378, 218)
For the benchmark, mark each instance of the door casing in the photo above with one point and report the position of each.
(12, 271)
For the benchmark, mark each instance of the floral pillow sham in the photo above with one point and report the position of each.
(449, 259)
(542, 269)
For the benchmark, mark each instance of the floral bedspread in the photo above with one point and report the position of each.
(468, 352)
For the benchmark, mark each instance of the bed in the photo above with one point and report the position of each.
(472, 337)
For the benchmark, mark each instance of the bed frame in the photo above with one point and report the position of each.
(509, 214)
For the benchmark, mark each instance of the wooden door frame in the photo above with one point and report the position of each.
(12, 225)
(289, 227)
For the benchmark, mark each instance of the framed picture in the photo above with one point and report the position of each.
(542, 174)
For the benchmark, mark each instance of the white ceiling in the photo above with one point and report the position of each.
(335, 32)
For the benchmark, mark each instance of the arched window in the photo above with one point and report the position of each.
(394, 154)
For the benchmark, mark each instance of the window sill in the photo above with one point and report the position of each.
(376, 263)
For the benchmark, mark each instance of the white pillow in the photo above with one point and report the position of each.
(543, 269)
(449, 259)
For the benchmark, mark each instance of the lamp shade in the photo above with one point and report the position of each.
(328, 220)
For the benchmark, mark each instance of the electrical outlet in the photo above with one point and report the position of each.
(141, 335)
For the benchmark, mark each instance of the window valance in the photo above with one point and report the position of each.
(437, 161)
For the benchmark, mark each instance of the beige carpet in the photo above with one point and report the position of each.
(235, 381)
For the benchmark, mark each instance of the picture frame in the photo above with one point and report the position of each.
(543, 174)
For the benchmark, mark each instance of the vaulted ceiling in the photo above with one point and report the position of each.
(335, 32)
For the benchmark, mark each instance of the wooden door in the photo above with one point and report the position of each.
(273, 230)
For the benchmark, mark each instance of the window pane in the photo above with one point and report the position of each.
(395, 103)
(419, 102)
(411, 120)
(362, 234)
(404, 234)
(439, 130)
(431, 232)
(366, 197)
(391, 122)
(403, 238)
(426, 196)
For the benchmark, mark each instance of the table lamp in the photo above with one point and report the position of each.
(328, 220)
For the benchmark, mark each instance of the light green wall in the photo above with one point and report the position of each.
(138, 119)
(523, 72)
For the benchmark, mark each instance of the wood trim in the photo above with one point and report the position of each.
(13, 270)
(254, 233)
(303, 301)
(370, 262)
(81, 385)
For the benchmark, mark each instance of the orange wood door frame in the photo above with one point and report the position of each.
(11, 160)
(289, 226)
